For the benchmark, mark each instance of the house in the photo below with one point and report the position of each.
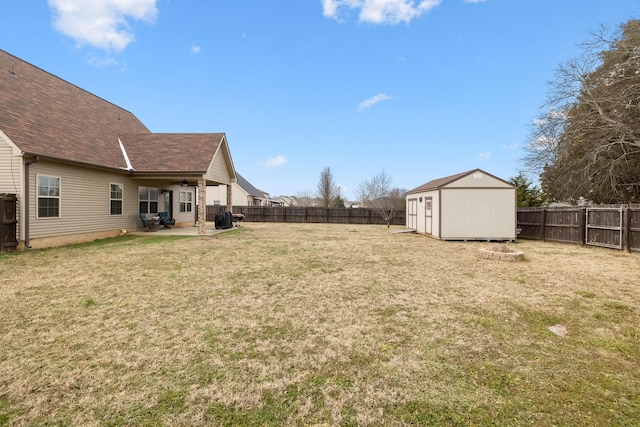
(244, 194)
(473, 205)
(288, 201)
(83, 168)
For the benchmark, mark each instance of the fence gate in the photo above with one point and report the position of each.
(604, 227)
(8, 222)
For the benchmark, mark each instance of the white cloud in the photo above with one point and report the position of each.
(510, 147)
(195, 50)
(474, 1)
(373, 101)
(101, 23)
(485, 155)
(101, 62)
(276, 161)
(380, 11)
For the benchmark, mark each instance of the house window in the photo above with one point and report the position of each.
(186, 201)
(115, 199)
(148, 200)
(216, 203)
(48, 197)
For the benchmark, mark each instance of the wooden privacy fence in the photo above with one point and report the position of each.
(8, 222)
(308, 214)
(616, 227)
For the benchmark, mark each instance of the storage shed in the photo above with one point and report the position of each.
(473, 205)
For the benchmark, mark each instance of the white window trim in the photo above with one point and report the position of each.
(148, 200)
(59, 197)
(121, 199)
(186, 202)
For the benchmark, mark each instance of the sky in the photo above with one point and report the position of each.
(418, 89)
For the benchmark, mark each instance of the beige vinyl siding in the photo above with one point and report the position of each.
(10, 167)
(480, 214)
(11, 176)
(216, 193)
(239, 197)
(219, 170)
(84, 201)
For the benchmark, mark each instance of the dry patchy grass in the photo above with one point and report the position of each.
(298, 324)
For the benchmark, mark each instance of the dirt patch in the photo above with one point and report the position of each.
(501, 252)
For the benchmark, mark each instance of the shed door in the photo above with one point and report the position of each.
(427, 214)
(412, 214)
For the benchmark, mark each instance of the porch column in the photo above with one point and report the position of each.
(202, 206)
(229, 198)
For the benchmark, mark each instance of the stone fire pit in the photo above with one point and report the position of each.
(502, 253)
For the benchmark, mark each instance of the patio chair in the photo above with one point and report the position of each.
(147, 223)
(165, 219)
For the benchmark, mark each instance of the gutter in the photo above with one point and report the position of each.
(26, 200)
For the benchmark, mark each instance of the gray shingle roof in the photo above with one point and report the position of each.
(246, 186)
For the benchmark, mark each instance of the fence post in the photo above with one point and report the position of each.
(543, 228)
(583, 226)
(626, 229)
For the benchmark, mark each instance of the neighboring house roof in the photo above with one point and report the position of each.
(250, 189)
(442, 182)
(44, 115)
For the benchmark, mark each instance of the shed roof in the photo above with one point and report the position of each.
(443, 182)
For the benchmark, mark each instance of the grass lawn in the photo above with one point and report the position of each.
(308, 324)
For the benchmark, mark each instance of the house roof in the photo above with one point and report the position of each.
(442, 182)
(250, 189)
(171, 152)
(47, 116)
(44, 115)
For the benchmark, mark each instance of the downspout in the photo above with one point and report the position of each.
(26, 200)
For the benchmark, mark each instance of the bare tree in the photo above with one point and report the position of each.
(380, 196)
(588, 144)
(327, 188)
(542, 148)
(305, 198)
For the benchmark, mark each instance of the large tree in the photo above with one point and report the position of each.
(378, 194)
(328, 190)
(587, 145)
